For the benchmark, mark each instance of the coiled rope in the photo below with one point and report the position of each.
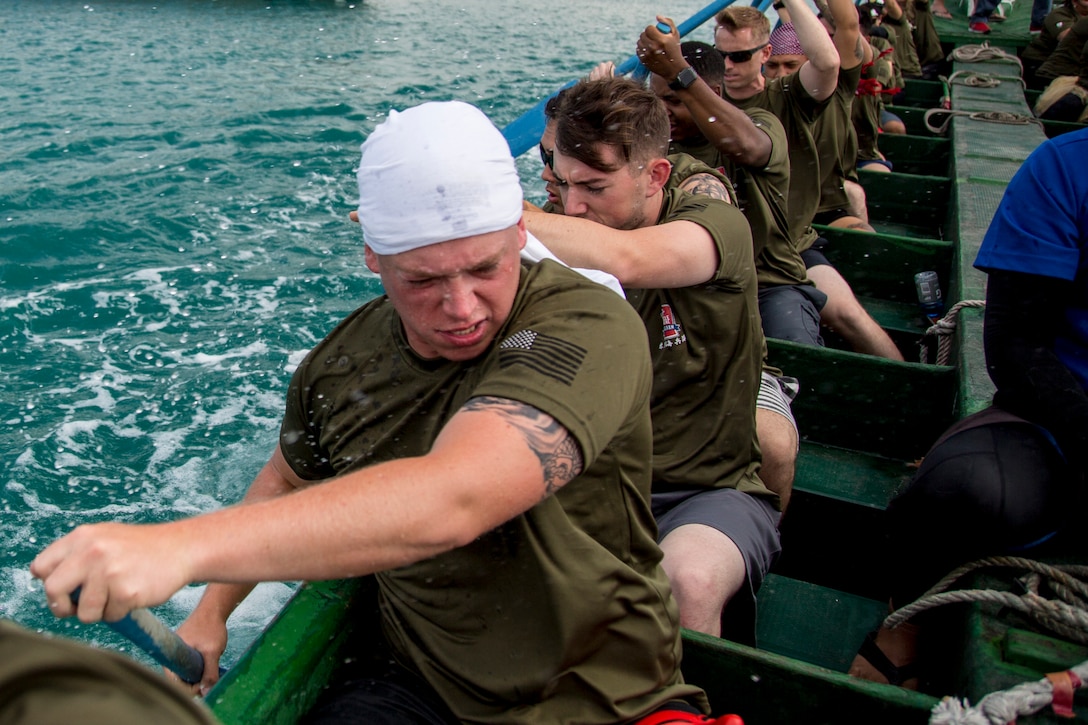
(980, 53)
(1067, 615)
(1018, 119)
(981, 80)
(942, 329)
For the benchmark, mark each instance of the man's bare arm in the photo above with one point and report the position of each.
(852, 48)
(727, 127)
(675, 254)
(492, 461)
(820, 75)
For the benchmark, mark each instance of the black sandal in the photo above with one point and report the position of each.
(895, 674)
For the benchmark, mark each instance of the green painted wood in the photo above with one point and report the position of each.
(1041, 653)
(911, 201)
(832, 532)
(884, 265)
(913, 118)
(763, 687)
(786, 625)
(283, 672)
(904, 406)
(911, 154)
(920, 93)
(855, 478)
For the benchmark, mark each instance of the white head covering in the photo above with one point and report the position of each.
(432, 173)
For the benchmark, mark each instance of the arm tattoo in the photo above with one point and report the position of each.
(559, 454)
(705, 185)
(859, 49)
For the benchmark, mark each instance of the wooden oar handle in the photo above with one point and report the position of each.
(150, 634)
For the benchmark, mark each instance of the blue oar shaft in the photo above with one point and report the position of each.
(524, 131)
(150, 634)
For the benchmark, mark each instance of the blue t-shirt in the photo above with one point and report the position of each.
(1041, 228)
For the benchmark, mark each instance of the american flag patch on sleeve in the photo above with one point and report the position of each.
(547, 355)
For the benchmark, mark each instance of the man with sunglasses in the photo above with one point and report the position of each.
(796, 99)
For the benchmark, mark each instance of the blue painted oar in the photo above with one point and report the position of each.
(524, 131)
(150, 634)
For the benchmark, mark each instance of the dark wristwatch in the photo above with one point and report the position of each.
(778, 5)
(684, 79)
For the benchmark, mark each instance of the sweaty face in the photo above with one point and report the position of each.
(782, 65)
(682, 127)
(614, 198)
(740, 76)
(453, 297)
(551, 183)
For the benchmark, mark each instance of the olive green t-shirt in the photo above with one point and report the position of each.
(788, 100)
(1069, 58)
(706, 343)
(837, 142)
(902, 38)
(46, 680)
(867, 105)
(563, 613)
(1042, 45)
(763, 197)
(927, 43)
(684, 166)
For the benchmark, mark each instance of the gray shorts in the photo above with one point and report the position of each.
(751, 522)
(792, 312)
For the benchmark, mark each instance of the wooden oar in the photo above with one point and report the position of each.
(150, 634)
(524, 131)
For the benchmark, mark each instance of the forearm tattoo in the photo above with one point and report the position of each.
(559, 454)
(705, 185)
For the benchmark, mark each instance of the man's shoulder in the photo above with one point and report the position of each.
(548, 284)
(680, 204)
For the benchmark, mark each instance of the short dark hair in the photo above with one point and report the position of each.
(615, 112)
(704, 60)
(551, 108)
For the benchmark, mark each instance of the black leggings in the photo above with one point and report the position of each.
(995, 489)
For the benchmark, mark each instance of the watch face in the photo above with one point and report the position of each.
(684, 79)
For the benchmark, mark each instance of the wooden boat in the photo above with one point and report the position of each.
(864, 423)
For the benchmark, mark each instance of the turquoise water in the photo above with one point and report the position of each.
(175, 180)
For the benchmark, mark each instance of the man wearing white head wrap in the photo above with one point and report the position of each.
(468, 185)
(477, 438)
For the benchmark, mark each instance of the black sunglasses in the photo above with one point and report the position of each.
(742, 56)
(546, 156)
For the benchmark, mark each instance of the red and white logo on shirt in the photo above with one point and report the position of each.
(672, 333)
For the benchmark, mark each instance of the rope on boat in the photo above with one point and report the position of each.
(980, 53)
(943, 329)
(1005, 706)
(1067, 615)
(981, 80)
(1018, 119)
